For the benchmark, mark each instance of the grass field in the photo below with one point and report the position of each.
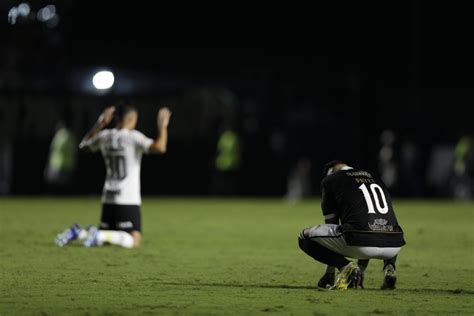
(212, 257)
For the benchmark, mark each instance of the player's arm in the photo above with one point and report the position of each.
(160, 143)
(328, 205)
(104, 119)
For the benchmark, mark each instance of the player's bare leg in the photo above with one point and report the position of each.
(137, 238)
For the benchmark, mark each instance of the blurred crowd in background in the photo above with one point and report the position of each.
(222, 146)
(257, 110)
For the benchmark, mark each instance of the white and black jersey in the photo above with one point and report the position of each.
(363, 205)
(122, 150)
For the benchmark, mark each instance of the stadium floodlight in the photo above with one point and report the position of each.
(22, 11)
(103, 80)
(47, 13)
(13, 15)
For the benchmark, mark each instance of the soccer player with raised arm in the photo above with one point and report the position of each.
(122, 148)
(360, 223)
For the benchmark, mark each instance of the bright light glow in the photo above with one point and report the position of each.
(103, 80)
(46, 13)
(24, 9)
(13, 15)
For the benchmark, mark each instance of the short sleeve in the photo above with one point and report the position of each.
(93, 143)
(141, 141)
(328, 202)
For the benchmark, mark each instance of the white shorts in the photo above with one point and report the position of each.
(327, 235)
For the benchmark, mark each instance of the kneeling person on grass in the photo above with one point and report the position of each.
(360, 223)
(122, 148)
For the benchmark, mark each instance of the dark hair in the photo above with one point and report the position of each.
(330, 165)
(122, 110)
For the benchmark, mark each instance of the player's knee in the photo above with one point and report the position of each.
(303, 241)
(136, 243)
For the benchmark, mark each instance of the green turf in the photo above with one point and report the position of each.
(234, 257)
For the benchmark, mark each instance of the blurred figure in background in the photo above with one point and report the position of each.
(299, 181)
(464, 168)
(6, 153)
(411, 168)
(227, 162)
(6, 161)
(387, 160)
(122, 149)
(61, 163)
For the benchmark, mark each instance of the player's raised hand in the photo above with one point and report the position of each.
(163, 119)
(106, 117)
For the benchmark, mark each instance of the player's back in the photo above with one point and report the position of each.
(364, 205)
(120, 154)
(122, 150)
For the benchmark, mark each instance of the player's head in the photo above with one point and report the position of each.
(126, 116)
(332, 167)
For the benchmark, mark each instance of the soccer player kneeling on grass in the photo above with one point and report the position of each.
(122, 148)
(359, 223)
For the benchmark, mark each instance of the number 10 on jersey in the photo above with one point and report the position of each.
(382, 208)
(116, 168)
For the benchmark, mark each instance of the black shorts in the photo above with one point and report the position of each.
(121, 217)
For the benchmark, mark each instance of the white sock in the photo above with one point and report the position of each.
(115, 237)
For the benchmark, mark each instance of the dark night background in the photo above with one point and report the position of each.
(322, 81)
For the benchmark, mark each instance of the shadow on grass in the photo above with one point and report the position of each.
(234, 285)
(305, 287)
(437, 291)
